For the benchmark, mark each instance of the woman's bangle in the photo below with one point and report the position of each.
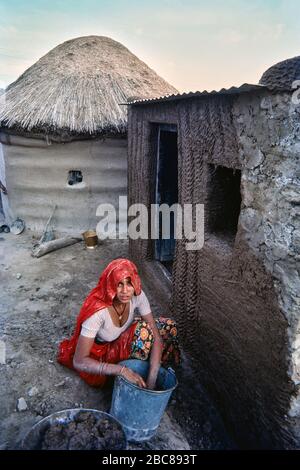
(121, 371)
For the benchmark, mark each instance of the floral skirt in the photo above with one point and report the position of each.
(134, 343)
(143, 340)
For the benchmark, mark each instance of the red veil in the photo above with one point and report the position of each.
(101, 297)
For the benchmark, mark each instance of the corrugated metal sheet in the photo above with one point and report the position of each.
(245, 88)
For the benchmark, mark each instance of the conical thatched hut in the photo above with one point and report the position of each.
(63, 130)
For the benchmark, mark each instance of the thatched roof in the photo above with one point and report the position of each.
(78, 87)
(281, 75)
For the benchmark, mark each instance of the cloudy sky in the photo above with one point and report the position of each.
(193, 44)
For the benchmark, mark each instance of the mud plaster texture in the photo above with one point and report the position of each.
(268, 132)
(36, 175)
(40, 300)
(236, 300)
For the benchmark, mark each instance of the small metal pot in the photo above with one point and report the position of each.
(90, 239)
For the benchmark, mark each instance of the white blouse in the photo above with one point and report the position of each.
(101, 326)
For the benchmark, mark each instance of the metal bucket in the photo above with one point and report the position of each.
(140, 410)
(90, 238)
(34, 437)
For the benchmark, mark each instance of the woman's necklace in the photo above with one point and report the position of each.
(119, 315)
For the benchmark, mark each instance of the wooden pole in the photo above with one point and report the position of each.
(53, 245)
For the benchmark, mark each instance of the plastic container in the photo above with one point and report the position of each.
(140, 410)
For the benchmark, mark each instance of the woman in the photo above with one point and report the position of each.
(106, 332)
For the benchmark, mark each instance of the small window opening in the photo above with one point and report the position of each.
(74, 177)
(224, 201)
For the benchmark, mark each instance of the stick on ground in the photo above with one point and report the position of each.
(53, 245)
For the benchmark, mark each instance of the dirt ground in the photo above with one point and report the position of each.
(40, 299)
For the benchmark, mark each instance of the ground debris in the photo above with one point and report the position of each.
(2, 352)
(33, 391)
(84, 433)
(21, 404)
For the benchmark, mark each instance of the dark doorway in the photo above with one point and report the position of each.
(224, 201)
(166, 189)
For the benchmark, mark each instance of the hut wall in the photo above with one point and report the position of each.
(2, 177)
(269, 140)
(5, 215)
(226, 298)
(37, 179)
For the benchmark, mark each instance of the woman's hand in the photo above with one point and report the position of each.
(151, 381)
(133, 377)
(156, 352)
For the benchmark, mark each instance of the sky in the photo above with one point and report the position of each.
(193, 44)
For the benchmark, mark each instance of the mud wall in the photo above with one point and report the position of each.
(269, 141)
(225, 296)
(37, 179)
(4, 205)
